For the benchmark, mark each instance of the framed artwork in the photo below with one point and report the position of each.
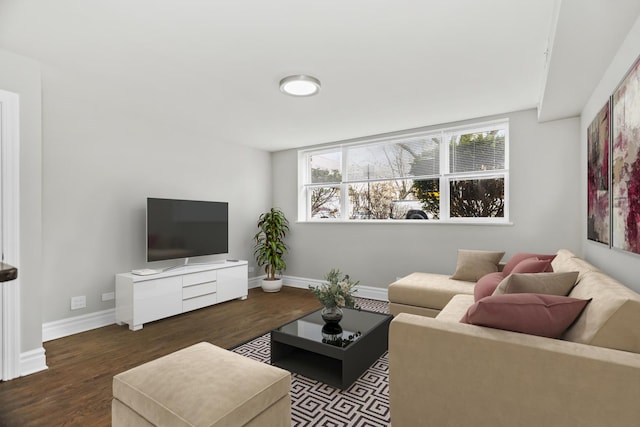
(626, 162)
(598, 200)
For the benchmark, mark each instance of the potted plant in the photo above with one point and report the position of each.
(270, 248)
(335, 293)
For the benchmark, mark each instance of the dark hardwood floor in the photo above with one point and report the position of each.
(76, 389)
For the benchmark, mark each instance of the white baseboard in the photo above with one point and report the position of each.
(33, 361)
(369, 292)
(73, 325)
(254, 282)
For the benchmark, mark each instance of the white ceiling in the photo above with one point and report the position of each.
(385, 65)
(582, 44)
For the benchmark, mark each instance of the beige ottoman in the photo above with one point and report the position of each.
(202, 385)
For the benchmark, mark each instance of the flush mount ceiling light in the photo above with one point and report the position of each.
(300, 85)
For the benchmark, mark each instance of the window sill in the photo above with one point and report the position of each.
(406, 221)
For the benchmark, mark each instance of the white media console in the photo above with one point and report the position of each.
(143, 299)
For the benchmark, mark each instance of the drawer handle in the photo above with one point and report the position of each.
(198, 296)
(198, 284)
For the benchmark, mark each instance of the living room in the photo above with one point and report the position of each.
(120, 103)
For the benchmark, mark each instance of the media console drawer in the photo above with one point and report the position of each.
(198, 302)
(197, 278)
(198, 290)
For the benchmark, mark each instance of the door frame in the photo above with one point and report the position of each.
(10, 300)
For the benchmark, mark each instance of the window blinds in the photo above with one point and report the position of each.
(399, 159)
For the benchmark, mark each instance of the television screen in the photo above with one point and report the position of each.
(186, 228)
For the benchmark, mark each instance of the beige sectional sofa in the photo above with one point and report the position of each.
(447, 373)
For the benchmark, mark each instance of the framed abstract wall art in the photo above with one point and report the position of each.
(626, 163)
(598, 197)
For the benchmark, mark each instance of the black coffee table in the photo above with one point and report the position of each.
(339, 361)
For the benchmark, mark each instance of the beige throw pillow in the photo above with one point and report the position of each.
(538, 283)
(473, 264)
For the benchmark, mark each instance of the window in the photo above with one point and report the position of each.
(454, 174)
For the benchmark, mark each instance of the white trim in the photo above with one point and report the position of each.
(10, 206)
(74, 325)
(370, 292)
(86, 322)
(33, 361)
(256, 282)
(10, 330)
(413, 222)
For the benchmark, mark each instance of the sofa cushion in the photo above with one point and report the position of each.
(521, 256)
(531, 265)
(456, 308)
(427, 290)
(535, 314)
(611, 319)
(579, 265)
(487, 284)
(473, 264)
(538, 283)
(562, 256)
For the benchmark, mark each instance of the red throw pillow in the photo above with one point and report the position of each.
(531, 265)
(486, 285)
(534, 314)
(515, 260)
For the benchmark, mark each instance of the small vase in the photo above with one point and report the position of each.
(332, 334)
(331, 314)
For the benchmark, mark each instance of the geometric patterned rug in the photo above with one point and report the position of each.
(364, 404)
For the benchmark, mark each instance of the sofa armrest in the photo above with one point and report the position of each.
(454, 374)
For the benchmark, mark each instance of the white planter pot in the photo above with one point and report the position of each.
(271, 285)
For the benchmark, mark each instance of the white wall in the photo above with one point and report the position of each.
(22, 76)
(624, 266)
(545, 211)
(101, 162)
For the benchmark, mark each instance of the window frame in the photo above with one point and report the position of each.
(445, 176)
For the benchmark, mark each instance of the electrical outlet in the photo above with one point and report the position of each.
(108, 296)
(252, 269)
(78, 302)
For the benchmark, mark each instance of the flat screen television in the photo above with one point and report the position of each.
(186, 228)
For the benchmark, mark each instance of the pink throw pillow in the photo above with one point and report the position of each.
(486, 285)
(531, 265)
(515, 260)
(534, 314)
